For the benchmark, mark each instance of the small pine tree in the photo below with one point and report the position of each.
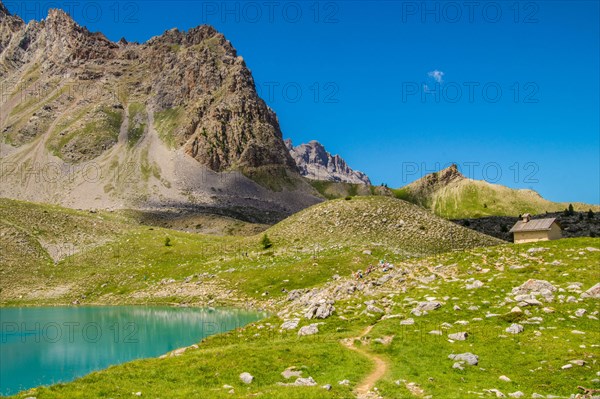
(571, 210)
(590, 214)
(266, 242)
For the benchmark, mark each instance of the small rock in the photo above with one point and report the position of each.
(407, 322)
(468, 357)
(504, 378)
(246, 378)
(567, 366)
(291, 372)
(458, 366)
(344, 382)
(327, 387)
(580, 312)
(374, 309)
(498, 393)
(578, 362)
(459, 336)
(305, 382)
(474, 285)
(290, 324)
(517, 394)
(516, 309)
(308, 330)
(532, 285)
(515, 328)
(428, 306)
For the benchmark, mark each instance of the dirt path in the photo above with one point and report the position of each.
(364, 388)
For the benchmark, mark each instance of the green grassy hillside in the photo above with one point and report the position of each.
(450, 195)
(131, 262)
(409, 353)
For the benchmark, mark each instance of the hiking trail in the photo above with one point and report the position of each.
(364, 388)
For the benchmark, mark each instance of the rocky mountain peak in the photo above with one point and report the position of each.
(436, 180)
(185, 94)
(451, 173)
(314, 162)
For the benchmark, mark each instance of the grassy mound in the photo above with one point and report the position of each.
(376, 221)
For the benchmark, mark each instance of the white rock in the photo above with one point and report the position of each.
(246, 378)
(308, 330)
(515, 328)
(459, 336)
(290, 324)
(497, 392)
(504, 378)
(517, 394)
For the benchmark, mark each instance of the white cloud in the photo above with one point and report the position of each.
(436, 75)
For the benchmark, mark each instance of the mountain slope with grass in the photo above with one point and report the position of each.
(376, 220)
(174, 122)
(119, 260)
(489, 306)
(451, 195)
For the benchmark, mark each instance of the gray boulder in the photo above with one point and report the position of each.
(467, 357)
(308, 330)
(290, 324)
(246, 378)
(428, 306)
(593, 292)
(533, 285)
(305, 382)
(459, 336)
(515, 329)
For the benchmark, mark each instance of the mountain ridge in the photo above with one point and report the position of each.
(316, 163)
(448, 193)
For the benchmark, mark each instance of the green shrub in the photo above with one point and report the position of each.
(266, 242)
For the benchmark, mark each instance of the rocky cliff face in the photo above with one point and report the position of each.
(176, 112)
(196, 77)
(314, 162)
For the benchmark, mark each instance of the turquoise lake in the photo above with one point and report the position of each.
(43, 346)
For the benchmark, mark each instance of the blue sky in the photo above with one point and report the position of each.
(507, 90)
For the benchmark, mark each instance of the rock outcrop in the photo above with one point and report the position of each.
(174, 120)
(314, 162)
